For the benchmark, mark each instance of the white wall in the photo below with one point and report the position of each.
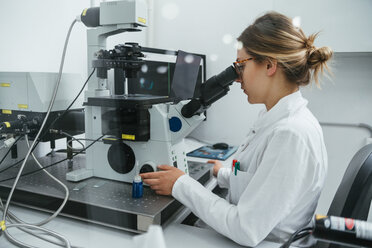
(344, 25)
(33, 33)
(347, 98)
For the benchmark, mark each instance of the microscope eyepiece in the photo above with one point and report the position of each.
(213, 89)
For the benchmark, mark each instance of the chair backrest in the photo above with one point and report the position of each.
(353, 196)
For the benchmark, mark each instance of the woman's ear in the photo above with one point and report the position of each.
(271, 67)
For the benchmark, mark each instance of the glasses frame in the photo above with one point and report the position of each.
(240, 64)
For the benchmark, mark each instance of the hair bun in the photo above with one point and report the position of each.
(319, 56)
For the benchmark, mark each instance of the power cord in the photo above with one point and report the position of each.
(30, 151)
(65, 111)
(68, 108)
(299, 234)
(67, 194)
(21, 244)
(70, 136)
(58, 162)
(13, 218)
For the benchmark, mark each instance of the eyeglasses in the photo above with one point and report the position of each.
(239, 65)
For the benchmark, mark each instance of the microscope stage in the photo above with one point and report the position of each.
(96, 200)
(132, 100)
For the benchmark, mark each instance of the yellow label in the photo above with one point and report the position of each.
(84, 12)
(5, 84)
(143, 20)
(7, 124)
(23, 106)
(7, 111)
(110, 139)
(128, 137)
(318, 216)
(2, 225)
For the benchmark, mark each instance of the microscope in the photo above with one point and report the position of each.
(141, 131)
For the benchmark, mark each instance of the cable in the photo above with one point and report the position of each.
(56, 180)
(45, 167)
(12, 239)
(72, 103)
(72, 139)
(12, 218)
(11, 166)
(44, 122)
(21, 244)
(297, 235)
(51, 124)
(33, 145)
(10, 148)
(51, 233)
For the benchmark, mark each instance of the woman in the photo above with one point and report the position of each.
(283, 160)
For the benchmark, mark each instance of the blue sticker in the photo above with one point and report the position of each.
(175, 124)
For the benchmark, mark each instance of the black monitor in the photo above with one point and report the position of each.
(169, 73)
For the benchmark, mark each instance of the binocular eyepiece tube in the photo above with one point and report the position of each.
(212, 90)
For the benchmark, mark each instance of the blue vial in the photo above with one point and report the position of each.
(137, 187)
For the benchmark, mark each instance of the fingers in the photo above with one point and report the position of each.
(211, 161)
(155, 184)
(151, 181)
(165, 167)
(147, 175)
(151, 175)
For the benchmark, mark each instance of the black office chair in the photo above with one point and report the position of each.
(354, 195)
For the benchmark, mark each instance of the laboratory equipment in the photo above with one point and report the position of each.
(147, 130)
(24, 99)
(140, 130)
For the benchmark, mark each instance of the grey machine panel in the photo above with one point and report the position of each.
(96, 200)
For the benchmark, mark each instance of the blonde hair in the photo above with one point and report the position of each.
(273, 36)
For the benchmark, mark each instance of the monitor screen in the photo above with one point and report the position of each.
(185, 75)
(167, 78)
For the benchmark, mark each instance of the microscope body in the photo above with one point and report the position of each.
(140, 131)
(157, 138)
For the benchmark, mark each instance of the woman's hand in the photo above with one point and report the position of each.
(217, 166)
(162, 181)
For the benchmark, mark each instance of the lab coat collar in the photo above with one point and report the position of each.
(283, 108)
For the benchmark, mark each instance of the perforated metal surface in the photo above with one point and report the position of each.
(94, 196)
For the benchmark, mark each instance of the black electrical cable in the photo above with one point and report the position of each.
(68, 108)
(297, 235)
(64, 112)
(45, 167)
(10, 148)
(11, 166)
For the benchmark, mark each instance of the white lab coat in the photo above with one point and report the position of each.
(283, 167)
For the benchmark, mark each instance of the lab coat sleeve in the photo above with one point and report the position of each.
(223, 177)
(282, 175)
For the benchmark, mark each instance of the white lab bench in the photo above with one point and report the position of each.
(83, 234)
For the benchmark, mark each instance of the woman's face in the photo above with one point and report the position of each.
(253, 78)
